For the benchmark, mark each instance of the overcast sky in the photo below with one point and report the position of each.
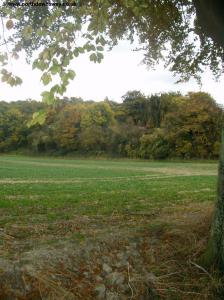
(119, 72)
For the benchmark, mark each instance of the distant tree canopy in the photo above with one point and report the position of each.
(185, 34)
(156, 127)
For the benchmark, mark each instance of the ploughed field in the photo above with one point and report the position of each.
(124, 215)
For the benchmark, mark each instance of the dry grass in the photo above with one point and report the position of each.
(168, 245)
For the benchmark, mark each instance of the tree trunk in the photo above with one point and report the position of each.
(210, 17)
(214, 254)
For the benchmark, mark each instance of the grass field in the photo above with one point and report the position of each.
(37, 189)
(47, 200)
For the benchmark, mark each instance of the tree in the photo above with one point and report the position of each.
(187, 34)
(95, 125)
(67, 128)
(155, 145)
(180, 126)
(137, 107)
(193, 128)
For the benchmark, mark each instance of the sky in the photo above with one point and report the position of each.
(119, 72)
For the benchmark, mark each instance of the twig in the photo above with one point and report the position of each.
(177, 290)
(168, 275)
(201, 268)
(3, 35)
(40, 290)
(129, 284)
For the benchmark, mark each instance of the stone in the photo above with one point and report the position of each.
(106, 268)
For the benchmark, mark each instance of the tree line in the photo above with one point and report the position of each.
(160, 126)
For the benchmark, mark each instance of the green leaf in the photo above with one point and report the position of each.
(37, 118)
(62, 89)
(49, 21)
(18, 80)
(46, 78)
(3, 58)
(55, 69)
(101, 40)
(99, 48)
(35, 64)
(71, 74)
(92, 26)
(76, 52)
(46, 54)
(65, 78)
(58, 89)
(39, 32)
(81, 50)
(90, 47)
(99, 57)
(93, 57)
(65, 61)
(55, 89)
(48, 97)
(40, 64)
(5, 78)
(69, 26)
(27, 32)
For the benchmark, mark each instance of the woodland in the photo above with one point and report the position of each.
(163, 126)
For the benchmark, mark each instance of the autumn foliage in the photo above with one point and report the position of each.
(168, 125)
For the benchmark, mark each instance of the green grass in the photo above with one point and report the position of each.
(50, 189)
(64, 205)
